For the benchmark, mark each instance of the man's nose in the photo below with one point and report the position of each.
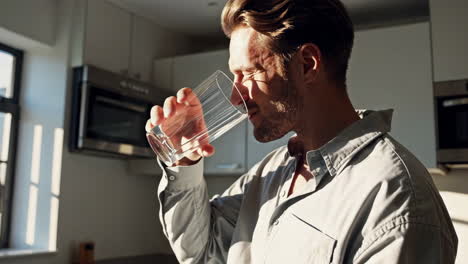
(239, 94)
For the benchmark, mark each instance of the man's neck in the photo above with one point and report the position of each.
(322, 121)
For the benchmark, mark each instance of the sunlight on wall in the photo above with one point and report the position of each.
(53, 223)
(57, 161)
(33, 189)
(457, 204)
(55, 188)
(36, 154)
(32, 210)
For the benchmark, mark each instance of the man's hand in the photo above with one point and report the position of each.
(181, 119)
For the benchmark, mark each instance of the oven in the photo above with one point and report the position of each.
(109, 113)
(451, 103)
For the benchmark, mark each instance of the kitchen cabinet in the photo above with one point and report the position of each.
(107, 36)
(144, 43)
(113, 39)
(175, 73)
(162, 74)
(449, 39)
(400, 80)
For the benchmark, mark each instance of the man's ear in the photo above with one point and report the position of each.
(311, 59)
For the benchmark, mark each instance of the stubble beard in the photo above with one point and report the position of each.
(282, 119)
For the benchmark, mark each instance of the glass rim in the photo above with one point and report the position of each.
(237, 89)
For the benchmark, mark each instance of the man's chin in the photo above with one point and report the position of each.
(265, 135)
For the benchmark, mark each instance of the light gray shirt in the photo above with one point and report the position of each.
(369, 201)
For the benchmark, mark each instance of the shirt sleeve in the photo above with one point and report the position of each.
(198, 230)
(406, 243)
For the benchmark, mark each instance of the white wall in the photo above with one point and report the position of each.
(33, 19)
(391, 68)
(98, 199)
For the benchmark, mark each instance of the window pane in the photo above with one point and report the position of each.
(7, 65)
(5, 128)
(3, 167)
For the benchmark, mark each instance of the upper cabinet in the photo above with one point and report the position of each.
(107, 39)
(144, 43)
(191, 70)
(113, 39)
(449, 39)
(399, 80)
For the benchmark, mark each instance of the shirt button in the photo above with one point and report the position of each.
(276, 222)
(283, 193)
(171, 178)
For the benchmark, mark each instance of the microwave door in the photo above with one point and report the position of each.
(117, 120)
(453, 120)
(117, 124)
(114, 123)
(84, 104)
(452, 115)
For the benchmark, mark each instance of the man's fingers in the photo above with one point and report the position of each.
(207, 150)
(148, 126)
(169, 106)
(183, 94)
(156, 115)
(187, 97)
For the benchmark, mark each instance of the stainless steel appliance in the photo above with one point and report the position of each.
(109, 112)
(451, 102)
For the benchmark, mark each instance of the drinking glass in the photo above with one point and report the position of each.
(217, 107)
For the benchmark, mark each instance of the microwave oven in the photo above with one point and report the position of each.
(451, 104)
(109, 113)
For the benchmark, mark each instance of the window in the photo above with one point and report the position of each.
(10, 77)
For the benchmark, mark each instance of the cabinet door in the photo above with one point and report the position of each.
(143, 51)
(449, 39)
(107, 37)
(191, 70)
(407, 87)
(256, 151)
(162, 75)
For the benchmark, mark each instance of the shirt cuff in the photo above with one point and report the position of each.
(180, 178)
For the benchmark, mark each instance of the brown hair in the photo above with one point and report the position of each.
(284, 25)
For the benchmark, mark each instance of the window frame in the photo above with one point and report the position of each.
(10, 105)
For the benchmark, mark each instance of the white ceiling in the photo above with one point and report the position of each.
(202, 17)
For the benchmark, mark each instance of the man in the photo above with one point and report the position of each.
(341, 191)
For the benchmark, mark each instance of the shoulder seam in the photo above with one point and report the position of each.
(407, 173)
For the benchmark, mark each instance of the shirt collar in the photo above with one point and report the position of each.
(335, 155)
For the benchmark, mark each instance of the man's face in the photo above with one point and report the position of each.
(271, 99)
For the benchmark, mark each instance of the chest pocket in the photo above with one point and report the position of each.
(296, 241)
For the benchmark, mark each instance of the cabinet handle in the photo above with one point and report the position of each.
(229, 166)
